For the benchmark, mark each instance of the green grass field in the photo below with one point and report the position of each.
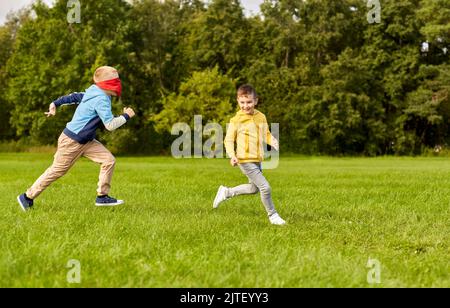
(340, 213)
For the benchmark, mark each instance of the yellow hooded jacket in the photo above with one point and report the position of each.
(248, 132)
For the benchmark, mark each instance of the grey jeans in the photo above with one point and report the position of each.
(257, 182)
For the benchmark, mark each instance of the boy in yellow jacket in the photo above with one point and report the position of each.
(248, 130)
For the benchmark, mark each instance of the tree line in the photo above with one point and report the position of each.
(336, 82)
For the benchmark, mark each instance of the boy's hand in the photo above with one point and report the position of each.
(234, 161)
(129, 111)
(275, 144)
(51, 110)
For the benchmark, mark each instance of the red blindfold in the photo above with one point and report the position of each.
(112, 85)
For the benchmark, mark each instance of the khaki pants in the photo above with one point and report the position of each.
(67, 154)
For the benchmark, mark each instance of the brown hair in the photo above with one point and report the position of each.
(247, 89)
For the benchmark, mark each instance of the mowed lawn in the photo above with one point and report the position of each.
(340, 213)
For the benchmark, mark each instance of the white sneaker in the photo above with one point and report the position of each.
(220, 197)
(275, 219)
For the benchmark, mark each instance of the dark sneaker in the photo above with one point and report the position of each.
(107, 201)
(24, 202)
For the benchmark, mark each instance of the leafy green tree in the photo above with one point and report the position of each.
(207, 93)
(351, 114)
(8, 34)
(6, 41)
(393, 47)
(426, 119)
(218, 37)
(435, 15)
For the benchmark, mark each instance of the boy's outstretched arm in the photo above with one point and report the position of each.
(74, 98)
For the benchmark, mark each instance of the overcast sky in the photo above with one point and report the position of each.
(7, 5)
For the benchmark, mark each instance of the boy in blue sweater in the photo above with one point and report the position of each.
(78, 138)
